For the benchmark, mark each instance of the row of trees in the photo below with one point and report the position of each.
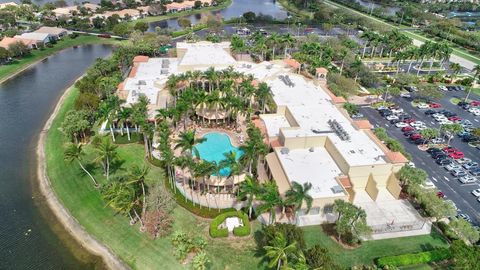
(264, 47)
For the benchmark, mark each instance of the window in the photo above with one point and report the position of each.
(314, 211)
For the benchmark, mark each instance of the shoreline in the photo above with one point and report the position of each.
(71, 225)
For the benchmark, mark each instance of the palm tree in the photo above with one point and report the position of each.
(74, 152)
(271, 199)
(123, 115)
(248, 188)
(137, 176)
(106, 154)
(187, 142)
(288, 42)
(452, 129)
(476, 72)
(279, 250)
(298, 194)
(456, 68)
(121, 197)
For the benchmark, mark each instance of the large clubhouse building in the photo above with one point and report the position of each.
(312, 138)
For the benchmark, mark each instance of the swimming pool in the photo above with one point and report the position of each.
(214, 148)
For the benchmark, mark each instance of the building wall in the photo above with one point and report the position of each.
(394, 187)
(371, 188)
(302, 142)
(337, 156)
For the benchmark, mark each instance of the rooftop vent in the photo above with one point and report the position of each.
(311, 149)
(142, 82)
(337, 189)
(284, 151)
(164, 71)
(286, 80)
(339, 130)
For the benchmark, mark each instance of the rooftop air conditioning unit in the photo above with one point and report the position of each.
(284, 151)
(311, 149)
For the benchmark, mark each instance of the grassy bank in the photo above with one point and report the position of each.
(7, 71)
(290, 7)
(150, 19)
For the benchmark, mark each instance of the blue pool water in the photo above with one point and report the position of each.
(214, 148)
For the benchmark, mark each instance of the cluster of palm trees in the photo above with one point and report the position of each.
(382, 45)
(260, 44)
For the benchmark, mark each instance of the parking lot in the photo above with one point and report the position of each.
(449, 185)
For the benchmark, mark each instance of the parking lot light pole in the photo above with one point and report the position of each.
(468, 94)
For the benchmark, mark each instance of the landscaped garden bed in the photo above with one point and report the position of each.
(219, 226)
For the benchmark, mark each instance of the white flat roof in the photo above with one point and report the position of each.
(316, 167)
(312, 107)
(273, 123)
(206, 54)
(147, 74)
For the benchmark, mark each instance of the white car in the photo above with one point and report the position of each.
(476, 192)
(444, 122)
(438, 140)
(417, 124)
(452, 167)
(443, 88)
(405, 95)
(467, 179)
(420, 128)
(435, 115)
(391, 117)
(401, 125)
(423, 106)
(411, 164)
(428, 184)
(476, 113)
(472, 109)
(463, 160)
(397, 111)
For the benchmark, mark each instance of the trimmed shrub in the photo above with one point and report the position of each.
(216, 232)
(415, 258)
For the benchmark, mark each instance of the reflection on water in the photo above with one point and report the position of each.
(236, 9)
(30, 238)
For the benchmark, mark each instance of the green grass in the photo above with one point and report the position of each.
(173, 15)
(476, 91)
(290, 7)
(36, 55)
(369, 250)
(417, 267)
(84, 202)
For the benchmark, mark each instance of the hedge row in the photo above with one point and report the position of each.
(216, 232)
(415, 258)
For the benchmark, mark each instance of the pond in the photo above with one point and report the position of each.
(30, 237)
(236, 9)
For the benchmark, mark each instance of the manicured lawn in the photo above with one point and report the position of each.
(35, 55)
(182, 13)
(369, 250)
(84, 202)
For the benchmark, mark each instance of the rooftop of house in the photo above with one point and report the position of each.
(4, 5)
(273, 123)
(34, 36)
(51, 30)
(315, 166)
(202, 55)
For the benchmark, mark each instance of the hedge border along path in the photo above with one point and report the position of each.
(215, 232)
(415, 258)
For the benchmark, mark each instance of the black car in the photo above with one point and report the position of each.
(385, 113)
(430, 112)
(394, 121)
(450, 114)
(420, 141)
(409, 133)
(462, 103)
(404, 117)
(444, 162)
(443, 111)
(433, 150)
(438, 155)
(470, 138)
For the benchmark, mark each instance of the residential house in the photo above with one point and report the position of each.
(91, 7)
(40, 38)
(65, 11)
(7, 41)
(55, 32)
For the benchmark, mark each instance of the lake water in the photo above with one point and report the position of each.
(236, 9)
(30, 237)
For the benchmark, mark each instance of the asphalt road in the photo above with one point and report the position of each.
(459, 193)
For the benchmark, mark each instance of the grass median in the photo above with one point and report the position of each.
(9, 70)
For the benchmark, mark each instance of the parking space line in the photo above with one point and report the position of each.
(446, 179)
(434, 179)
(475, 119)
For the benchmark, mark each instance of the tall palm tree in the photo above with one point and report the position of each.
(138, 175)
(74, 152)
(279, 250)
(288, 42)
(476, 72)
(122, 116)
(271, 199)
(121, 197)
(187, 142)
(456, 68)
(248, 188)
(298, 194)
(106, 152)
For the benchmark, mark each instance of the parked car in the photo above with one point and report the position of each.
(440, 194)
(449, 149)
(454, 118)
(475, 172)
(465, 217)
(423, 106)
(409, 133)
(443, 162)
(475, 103)
(470, 165)
(435, 105)
(453, 166)
(391, 117)
(406, 128)
(429, 112)
(449, 114)
(405, 95)
(463, 160)
(470, 138)
(467, 179)
(428, 184)
(384, 113)
(462, 103)
(420, 141)
(438, 140)
(444, 121)
(434, 150)
(456, 155)
(358, 115)
(458, 173)
(397, 110)
(437, 155)
(476, 192)
(417, 123)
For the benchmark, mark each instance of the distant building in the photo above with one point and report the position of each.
(55, 32)
(40, 38)
(8, 4)
(7, 41)
(65, 11)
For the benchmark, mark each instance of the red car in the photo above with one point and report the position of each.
(450, 149)
(405, 129)
(475, 103)
(408, 121)
(104, 36)
(415, 136)
(456, 155)
(440, 194)
(435, 105)
(454, 118)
